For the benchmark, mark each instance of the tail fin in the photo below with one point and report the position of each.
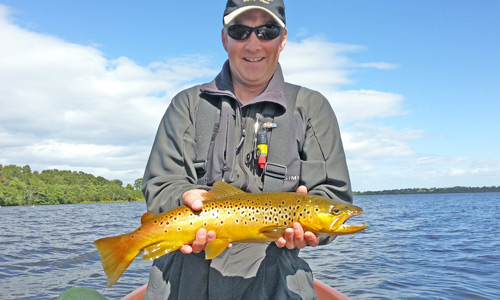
(116, 255)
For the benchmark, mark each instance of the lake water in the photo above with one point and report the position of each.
(434, 246)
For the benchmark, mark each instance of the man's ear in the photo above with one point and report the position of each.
(284, 36)
(224, 38)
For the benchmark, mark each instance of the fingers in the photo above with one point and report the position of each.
(289, 238)
(302, 189)
(311, 239)
(193, 199)
(295, 237)
(280, 242)
(201, 240)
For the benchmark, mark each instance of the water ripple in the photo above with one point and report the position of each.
(415, 247)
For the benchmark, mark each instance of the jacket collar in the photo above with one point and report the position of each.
(223, 85)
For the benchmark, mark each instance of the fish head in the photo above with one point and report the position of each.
(327, 217)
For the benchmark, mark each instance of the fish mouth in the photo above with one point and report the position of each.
(348, 229)
(345, 228)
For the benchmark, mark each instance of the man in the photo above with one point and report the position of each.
(209, 133)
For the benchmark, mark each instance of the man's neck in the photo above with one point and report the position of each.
(247, 93)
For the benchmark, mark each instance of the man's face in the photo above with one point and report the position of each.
(253, 61)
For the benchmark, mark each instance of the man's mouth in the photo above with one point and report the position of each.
(257, 59)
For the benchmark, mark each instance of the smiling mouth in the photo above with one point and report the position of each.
(253, 59)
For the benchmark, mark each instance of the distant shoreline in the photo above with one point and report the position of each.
(20, 186)
(449, 190)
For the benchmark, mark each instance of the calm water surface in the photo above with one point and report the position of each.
(415, 247)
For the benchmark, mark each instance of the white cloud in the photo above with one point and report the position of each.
(325, 66)
(316, 63)
(66, 106)
(365, 141)
(378, 65)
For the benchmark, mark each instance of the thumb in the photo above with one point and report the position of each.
(302, 189)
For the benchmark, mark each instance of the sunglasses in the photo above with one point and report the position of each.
(264, 33)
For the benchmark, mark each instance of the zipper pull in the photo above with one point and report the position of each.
(243, 134)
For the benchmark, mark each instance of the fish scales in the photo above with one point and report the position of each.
(234, 215)
(223, 216)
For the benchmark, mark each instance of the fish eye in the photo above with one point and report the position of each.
(335, 211)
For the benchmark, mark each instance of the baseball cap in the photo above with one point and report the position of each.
(276, 8)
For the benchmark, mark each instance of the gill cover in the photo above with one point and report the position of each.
(324, 217)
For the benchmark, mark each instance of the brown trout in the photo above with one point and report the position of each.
(235, 216)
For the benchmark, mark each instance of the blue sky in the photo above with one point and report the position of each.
(415, 84)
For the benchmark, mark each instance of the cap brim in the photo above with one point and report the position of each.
(230, 17)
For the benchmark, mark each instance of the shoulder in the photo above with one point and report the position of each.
(186, 100)
(311, 104)
(183, 106)
(188, 95)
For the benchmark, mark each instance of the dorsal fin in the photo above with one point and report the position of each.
(147, 217)
(222, 190)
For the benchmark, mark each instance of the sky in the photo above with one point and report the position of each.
(415, 84)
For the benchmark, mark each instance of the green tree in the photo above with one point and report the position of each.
(22, 186)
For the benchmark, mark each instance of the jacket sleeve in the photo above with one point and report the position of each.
(170, 170)
(323, 167)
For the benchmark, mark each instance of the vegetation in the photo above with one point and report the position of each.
(456, 189)
(21, 186)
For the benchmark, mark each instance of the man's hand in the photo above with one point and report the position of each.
(295, 237)
(194, 200)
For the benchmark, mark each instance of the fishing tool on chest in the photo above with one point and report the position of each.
(261, 141)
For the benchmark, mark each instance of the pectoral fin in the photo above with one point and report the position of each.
(214, 248)
(273, 232)
(157, 250)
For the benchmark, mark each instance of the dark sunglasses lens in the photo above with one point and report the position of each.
(266, 33)
(239, 32)
(269, 32)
